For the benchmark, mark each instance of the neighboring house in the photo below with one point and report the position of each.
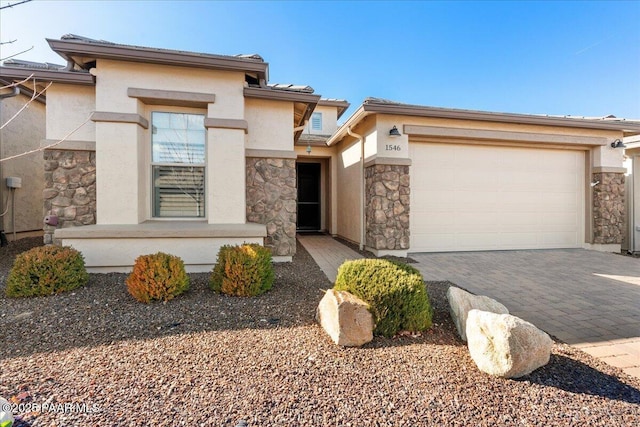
(22, 207)
(185, 152)
(631, 242)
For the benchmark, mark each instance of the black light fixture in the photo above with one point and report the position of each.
(618, 144)
(308, 149)
(394, 132)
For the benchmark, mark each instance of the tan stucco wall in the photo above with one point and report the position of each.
(118, 160)
(67, 107)
(329, 121)
(349, 176)
(270, 124)
(114, 78)
(123, 149)
(24, 133)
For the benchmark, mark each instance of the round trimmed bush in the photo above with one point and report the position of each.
(46, 270)
(243, 270)
(157, 276)
(395, 292)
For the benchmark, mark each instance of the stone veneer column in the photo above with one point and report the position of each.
(387, 207)
(271, 200)
(69, 189)
(608, 208)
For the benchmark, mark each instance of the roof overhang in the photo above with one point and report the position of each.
(83, 53)
(11, 74)
(25, 90)
(303, 103)
(340, 104)
(369, 107)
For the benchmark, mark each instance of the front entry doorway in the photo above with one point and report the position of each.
(309, 208)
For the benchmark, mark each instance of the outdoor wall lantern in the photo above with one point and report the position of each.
(309, 149)
(617, 144)
(394, 132)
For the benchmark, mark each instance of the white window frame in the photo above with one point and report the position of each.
(316, 121)
(152, 189)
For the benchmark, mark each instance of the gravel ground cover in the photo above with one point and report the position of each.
(209, 360)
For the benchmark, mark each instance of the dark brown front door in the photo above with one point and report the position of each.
(308, 196)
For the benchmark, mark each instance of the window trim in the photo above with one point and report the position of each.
(151, 164)
(316, 116)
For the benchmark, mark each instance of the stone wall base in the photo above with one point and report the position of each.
(387, 207)
(401, 253)
(603, 248)
(272, 195)
(69, 189)
(608, 208)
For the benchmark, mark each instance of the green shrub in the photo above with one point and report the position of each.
(46, 270)
(157, 276)
(395, 292)
(244, 270)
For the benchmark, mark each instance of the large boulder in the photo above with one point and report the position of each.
(6, 416)
(460, 302)
(346, 318)
(506, 346)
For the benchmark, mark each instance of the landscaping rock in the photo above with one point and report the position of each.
(346, 318)
(506, 346)
(460, 302)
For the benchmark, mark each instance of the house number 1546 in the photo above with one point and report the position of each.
(391, 147)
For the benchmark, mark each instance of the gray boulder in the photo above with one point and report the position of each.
(460, 302)
(506, 346)
(346, 318)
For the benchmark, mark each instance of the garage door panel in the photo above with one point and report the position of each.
(424, 201)
(558, 239)
(518, 239)
(495, 198)
(471, 180)
(476, 241)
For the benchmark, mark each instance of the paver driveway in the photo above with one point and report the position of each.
(585, 298)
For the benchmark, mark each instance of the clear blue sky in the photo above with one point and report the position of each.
(578, 58)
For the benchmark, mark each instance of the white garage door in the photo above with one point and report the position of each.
(471, 197)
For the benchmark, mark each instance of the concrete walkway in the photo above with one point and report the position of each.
(327, 252)
(588, 299)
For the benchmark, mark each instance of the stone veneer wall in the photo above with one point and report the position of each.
(387, 207)
(608, 208)
(69, 189)
(272, 200)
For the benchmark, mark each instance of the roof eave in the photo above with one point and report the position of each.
(342, 106)
(68, 49)
(421, 111)
(368, 107)
(280, 95)
(352, 121)
(47, 75)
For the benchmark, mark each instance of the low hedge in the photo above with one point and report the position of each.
(158, 276)
(46, 270)
(244, 270)
(395, 292)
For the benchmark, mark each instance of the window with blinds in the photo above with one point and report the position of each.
(178, 163)
(316, 121)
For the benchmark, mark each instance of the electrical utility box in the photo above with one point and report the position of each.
(14, 182)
